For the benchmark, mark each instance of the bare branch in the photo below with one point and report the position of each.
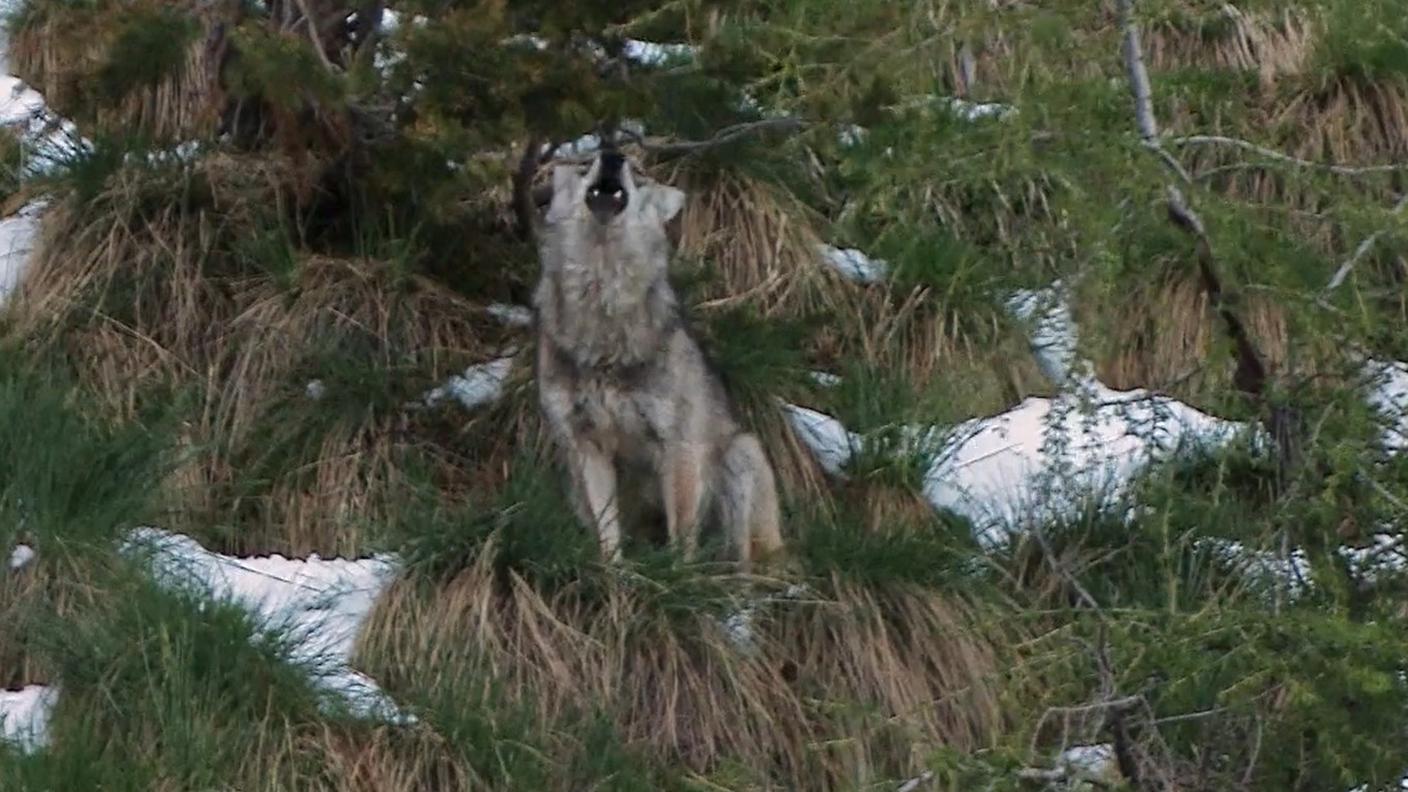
(787, 124)
(1138, 74)
(1360, 252)
(1272, 154)
(312, 24)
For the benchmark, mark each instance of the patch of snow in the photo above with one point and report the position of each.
(1386, 556)
(824, 378)
(913, 784)
(851, 135)
(1044, 458)
(830, 442)
(24, 716)
(1388, 395)
(17, 237)
(320, 604)
(1053, 334)
(590, 143)
(972, 111)
(315, 390)
(650, 53)
(1290, 574)
(1089, 762)
(512, 315)
(21, 556)
(853, 264)
(480, 384)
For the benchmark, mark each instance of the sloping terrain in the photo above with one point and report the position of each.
(1075, 332)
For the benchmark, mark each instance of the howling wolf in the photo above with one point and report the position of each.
(622, 384)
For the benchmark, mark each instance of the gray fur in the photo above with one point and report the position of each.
(623, 385)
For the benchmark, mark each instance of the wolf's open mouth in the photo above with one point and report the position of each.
(607, 196)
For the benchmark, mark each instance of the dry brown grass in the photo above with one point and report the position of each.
(60, 53)
(141, 299)
(1272, 44)
(855, 683)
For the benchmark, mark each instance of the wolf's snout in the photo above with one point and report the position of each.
(607, 196)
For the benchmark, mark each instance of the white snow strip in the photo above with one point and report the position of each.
(1386, 556)
(320, 604)
(650, 53)
(315, 390)
(853, 264)
(1090, 762)
(512, 315)
(830, 441)
(21, 556)
(24, 716)
(1388, 395)
(480, 384)
(972, 111)
(1053, 334)
(17, 236)
(824, 378)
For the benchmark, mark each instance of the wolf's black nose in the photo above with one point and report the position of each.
(607, 197)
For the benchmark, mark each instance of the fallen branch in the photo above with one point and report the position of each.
(1272, 154)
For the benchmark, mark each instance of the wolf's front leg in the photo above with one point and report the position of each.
(594, 478)
(682, 479)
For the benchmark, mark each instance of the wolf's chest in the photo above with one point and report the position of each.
(630, 421)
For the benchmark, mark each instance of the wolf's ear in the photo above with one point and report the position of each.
(666, 201)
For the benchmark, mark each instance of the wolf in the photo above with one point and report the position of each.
(622, 384)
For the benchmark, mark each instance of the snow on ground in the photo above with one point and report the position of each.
(1388, 394)
(480, 384)
(853, 264)
(1044, 458)
(24, 716)
(650, 53)
(20, 556)
(319, 604)
(511, 315)
(830, 441)
(17, 235)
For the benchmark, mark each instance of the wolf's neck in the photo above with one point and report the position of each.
(611, 312)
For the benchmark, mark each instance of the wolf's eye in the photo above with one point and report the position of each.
(618, 194)
(594, 191)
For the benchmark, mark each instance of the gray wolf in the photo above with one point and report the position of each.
(623, 386)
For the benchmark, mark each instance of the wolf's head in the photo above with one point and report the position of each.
(606, 193)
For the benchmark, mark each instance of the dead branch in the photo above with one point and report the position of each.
(1272, 154)
(1360, 252)
(730, 134)
(311, 22)
(1250, 376)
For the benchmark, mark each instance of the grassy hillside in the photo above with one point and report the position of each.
(288, 223)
